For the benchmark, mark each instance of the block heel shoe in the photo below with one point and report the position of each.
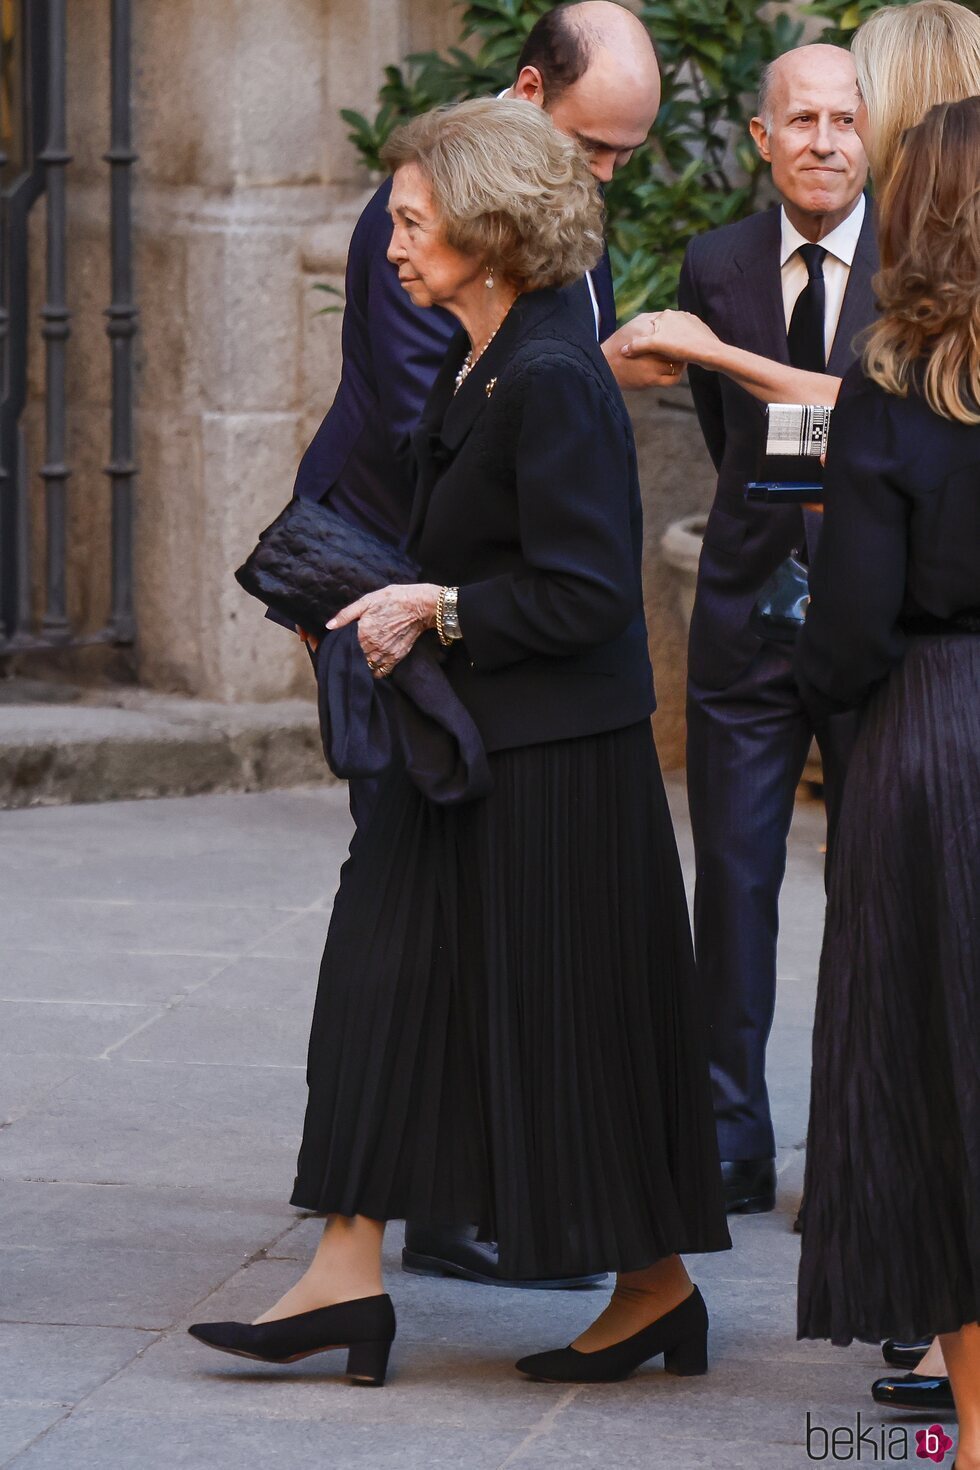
(681, 1335)
(365, 1327)
(367, 1362)
(689, 1359)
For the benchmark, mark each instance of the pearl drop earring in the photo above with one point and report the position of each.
(489, 280)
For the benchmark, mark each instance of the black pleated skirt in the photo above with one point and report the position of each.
(507, 1029)
(892, 1240)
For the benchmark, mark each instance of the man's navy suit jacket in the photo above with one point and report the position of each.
(731, 279)
(360, 460)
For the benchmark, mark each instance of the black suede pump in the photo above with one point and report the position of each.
(365, 1327)
(681, 1335)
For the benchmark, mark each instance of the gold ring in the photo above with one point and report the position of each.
(372, 665)
(382, 671)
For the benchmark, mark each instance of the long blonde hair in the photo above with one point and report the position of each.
(910, 58)
(929, 285)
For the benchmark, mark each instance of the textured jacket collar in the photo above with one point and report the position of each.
(459, 410)
(448, 417)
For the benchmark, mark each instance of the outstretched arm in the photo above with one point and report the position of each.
(649, 369)
(680, 337)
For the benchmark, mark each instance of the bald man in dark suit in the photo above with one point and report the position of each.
(792, 284)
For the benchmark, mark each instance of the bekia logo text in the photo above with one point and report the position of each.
(873, 1443)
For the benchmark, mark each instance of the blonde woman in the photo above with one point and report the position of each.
(507, 1029)
(908, 58)
(892, 1239)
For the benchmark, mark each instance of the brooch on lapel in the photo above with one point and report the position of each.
(490, 386)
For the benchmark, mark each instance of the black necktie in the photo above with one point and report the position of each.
(807, 324)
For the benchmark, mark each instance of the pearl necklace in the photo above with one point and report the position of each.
(470, 362)
(472, 358)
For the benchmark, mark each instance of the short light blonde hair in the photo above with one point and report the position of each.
(509, 187)
(928, 333)
(910, 58)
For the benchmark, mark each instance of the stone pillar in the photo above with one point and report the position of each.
(247, 192)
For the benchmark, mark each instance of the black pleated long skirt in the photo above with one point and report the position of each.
(507, 1029)
(892, 1240)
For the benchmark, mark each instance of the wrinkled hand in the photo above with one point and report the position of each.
(645, 369)
(678, 336)
(389, 621)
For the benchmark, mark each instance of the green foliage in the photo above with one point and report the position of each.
(699, 168)
(844, 19)
(330, 291)
(429, 80)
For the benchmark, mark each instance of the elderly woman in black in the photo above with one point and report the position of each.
(507, 1030)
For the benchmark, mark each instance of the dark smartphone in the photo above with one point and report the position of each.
(784, 492)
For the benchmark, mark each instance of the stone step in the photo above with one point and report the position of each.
(118, 745)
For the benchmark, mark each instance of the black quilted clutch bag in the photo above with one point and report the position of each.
(310, 563)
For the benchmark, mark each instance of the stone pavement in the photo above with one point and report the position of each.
(157, 967)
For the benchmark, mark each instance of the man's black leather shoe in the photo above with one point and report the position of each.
(750, 1185)
(905, 1354)
(916, 1392)
(432, 1250)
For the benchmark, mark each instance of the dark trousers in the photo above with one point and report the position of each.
(746, 749)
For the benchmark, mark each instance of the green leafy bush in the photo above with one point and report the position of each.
(699, 168)
(844, 19)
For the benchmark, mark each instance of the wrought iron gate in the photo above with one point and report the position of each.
(34, 160)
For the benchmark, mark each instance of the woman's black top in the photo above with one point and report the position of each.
(529, 501)
(899, 550)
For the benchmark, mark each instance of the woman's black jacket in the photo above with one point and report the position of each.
(528, 499)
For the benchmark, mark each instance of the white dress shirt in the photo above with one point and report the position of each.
(840, 246)
(595, 300)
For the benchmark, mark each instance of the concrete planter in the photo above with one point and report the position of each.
(681, 547)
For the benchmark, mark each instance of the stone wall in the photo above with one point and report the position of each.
(244, 161)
